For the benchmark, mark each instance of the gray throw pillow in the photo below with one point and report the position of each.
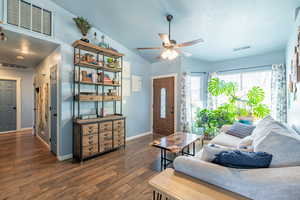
(240, 130)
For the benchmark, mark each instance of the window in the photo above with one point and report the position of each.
(163, 102)
(197, 97)
(246, 80)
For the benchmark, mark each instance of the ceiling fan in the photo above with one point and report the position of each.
(171, 49)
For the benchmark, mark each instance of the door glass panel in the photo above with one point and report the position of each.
(163, 102)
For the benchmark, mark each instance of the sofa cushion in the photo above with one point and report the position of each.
(210, 151)
(246, 144)
(272, 125)
(224, 139)
(284, 148)
(260, 129)
(243, 160)
(240, 130)
(258, 184)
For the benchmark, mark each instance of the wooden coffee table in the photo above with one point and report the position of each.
(178, 143)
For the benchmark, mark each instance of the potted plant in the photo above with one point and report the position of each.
(84, 26)
(212, 120)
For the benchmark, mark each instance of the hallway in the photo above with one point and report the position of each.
(29, 171)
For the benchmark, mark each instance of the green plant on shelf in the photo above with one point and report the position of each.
(84, 26)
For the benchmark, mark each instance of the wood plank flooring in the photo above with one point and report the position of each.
(29, 171)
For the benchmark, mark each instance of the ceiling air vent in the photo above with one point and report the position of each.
(29, 16)
(241, 48)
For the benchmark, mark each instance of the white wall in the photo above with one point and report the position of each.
(26, 76)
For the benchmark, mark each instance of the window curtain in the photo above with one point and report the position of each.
(185, 103)
(211, 100)
(279, 92)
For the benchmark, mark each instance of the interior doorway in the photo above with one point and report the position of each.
(164, 105)
(8, 105)
(28, 87)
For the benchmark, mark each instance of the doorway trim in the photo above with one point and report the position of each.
(18, 98)
(175, 99)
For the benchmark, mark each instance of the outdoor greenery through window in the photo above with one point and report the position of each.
(246, 80)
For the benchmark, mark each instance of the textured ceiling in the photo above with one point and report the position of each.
(224, 24)
(33, 50)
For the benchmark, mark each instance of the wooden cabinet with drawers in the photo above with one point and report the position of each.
(92, 138)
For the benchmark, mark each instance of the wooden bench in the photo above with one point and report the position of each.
(171, 185)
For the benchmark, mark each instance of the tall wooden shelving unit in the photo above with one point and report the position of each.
(101, 134)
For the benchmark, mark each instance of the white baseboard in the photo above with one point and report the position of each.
(138, 136)
(65, 157)
(22, 129)
(26, 129)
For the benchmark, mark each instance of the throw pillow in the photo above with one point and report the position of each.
(240, 130)
(272, 126)
(244, 121)
(246, 144)
(243, 160)
(261, 126)
(209, 151)
(284, 148)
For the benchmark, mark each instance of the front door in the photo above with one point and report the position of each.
(163, 106)
(8, 108)
(53, 92)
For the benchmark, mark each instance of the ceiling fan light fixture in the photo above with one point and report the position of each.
(169, 54)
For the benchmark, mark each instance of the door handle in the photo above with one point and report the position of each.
(55, 115)
(14, 108)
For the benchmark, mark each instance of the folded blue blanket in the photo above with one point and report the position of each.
(243, 160)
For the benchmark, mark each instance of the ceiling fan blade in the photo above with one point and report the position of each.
(149, 48)
(190, 43)
(184, 53)
(165, 38)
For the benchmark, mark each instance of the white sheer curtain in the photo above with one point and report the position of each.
(185, 103)
(279, 93)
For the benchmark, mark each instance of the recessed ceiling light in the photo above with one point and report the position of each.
(242, 48)
(20, 57)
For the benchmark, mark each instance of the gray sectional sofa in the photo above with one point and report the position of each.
(279, 182)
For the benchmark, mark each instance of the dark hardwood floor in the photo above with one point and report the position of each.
(29, 171)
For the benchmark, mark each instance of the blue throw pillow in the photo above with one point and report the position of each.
(244, 121)
(243, 160)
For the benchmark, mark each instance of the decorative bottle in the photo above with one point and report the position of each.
(95, 40)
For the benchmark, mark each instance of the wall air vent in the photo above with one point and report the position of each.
(12, 66)
(26, 15)
(242, 48)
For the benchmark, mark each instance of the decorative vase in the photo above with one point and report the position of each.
(85, 39)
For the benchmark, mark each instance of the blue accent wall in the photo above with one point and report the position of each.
(65, 33)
